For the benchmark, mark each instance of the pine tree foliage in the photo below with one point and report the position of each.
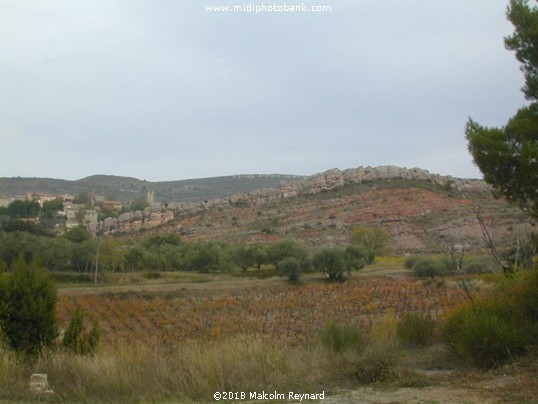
(508, 156)
(28, 307)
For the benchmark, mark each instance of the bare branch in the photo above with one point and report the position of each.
(491, 244)
(457, 253)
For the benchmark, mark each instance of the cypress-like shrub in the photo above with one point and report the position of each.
(28, 307)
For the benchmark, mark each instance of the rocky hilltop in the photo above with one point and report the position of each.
(331, 179)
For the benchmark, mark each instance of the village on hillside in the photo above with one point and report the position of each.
(63, 211)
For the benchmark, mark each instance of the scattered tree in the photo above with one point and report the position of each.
(28, 307)
(332, 262)
(23, 209)
(290, 267)
(21, 225)
(83, 255)
(336, 261)
(83, 198)
(244, 257)
(111, 255)
(51, 208)
(373, 240)
(286, 248)
(78, 234)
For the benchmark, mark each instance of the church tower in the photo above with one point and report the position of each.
(150, 197)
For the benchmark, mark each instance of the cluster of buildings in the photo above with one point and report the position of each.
(75, 212)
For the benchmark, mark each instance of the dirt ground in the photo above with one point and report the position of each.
(497, 390)
(515, 383)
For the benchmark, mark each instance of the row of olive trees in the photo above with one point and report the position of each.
(56, 253)
(77, 250)
(287, 257)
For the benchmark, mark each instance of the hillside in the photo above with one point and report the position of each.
(417, 215)
(421, 212)
(128, 188)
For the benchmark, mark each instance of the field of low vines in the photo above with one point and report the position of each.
(293, 314)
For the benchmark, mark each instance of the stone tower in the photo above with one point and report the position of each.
(150, 197)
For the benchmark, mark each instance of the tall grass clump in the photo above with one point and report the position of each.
(76, 340)
(190, 371)
(338, 338)
(379, 356)
(13, 377)
(415, 329)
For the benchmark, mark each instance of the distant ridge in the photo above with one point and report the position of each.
(129, 188)
(241, 186)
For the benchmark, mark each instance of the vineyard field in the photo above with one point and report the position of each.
(280, 312)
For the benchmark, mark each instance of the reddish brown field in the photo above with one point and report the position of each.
(275, 310)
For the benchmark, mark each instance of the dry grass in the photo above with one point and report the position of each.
(191, 371)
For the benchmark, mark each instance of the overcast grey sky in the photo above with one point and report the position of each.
(165, 90)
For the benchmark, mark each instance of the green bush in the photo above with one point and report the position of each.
(290, 267)
(447, 263)
(426, 266)
(480, 265)
(497, 328)
(339, 338)
(488, 332)
(529, 296)
(28, 307)
(410, 261)
(415, 329)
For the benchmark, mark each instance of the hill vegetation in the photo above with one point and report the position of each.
(419, 215)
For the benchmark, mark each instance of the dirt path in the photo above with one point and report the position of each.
(213, 286)
(513, 384)
(218, 284)
(369, 395)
